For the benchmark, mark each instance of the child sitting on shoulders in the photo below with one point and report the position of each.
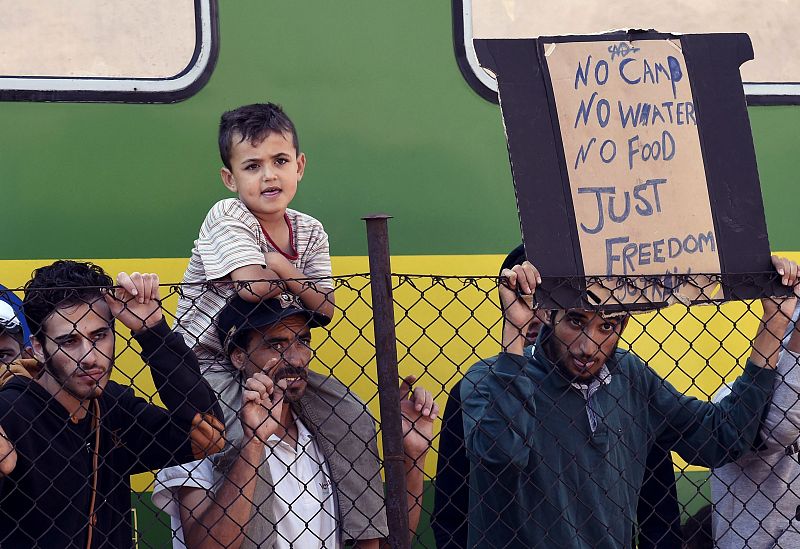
(254, 237)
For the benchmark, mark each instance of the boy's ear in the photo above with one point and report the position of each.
(228, 180)
(301, 166)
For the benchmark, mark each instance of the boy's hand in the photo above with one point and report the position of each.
(135, 301)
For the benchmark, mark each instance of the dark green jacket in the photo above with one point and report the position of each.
(539, 476)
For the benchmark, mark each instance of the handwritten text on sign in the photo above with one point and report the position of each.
(629, 130)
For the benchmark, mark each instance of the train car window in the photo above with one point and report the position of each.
(106, 50)
(773, 77)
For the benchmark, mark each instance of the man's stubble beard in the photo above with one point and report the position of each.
(63, 379)
(551, 351)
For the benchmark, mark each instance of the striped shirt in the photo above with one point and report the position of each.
(231, 237)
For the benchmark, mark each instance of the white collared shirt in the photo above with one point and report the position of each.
(304, 501)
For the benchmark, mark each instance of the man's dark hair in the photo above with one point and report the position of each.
(253, 123)
(62, 284)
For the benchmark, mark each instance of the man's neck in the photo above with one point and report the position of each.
(76, 408)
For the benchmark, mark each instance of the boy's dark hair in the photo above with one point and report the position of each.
(253, 123)
(61, 284)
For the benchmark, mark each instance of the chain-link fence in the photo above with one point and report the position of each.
(600, 433)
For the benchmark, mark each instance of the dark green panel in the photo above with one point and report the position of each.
(384, 115)
(777, 140)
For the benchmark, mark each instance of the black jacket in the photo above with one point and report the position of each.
(46, 499)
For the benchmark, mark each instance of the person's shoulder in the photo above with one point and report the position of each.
(634, 372)
(333, 391)
(625, 358)
(196, 474)
(484, 365)
(228, 208)
(303, 220)
(15, 393)
(193, 474)
(22, 403)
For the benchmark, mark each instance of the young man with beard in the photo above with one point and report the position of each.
(306, 473)
(79, 436)
(557, 442)
(658, 514)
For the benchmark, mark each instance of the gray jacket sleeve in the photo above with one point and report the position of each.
(781, 427)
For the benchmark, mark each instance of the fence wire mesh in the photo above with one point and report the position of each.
(612, 430)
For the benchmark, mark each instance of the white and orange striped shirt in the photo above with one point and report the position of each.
(231, 237)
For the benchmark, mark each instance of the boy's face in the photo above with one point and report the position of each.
(265, 174)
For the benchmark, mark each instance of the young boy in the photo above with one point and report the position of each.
(254, 237)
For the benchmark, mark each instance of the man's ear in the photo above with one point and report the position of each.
(301, 166)
(228, 180)
(38, 350)
(238, 357)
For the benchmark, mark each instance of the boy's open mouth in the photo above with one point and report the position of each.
(271, 191)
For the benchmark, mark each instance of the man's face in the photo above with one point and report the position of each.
(582, 341)
(77, 348)
(10, 348)
(290, 342)
(265, 174)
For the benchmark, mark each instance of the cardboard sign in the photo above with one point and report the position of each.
(634, 167)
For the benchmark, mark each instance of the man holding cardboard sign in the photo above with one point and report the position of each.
(557, 443)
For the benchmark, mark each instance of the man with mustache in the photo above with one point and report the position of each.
(557, 442)
(78, 436)
(306, 472)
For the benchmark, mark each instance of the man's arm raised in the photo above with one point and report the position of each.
(776, 317)
(219, 519)
(516, 294)
(419, 412)
(191, 404)
(712, 434)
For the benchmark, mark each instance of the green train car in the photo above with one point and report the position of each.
(108, 135)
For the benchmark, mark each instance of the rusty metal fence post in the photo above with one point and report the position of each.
(388, 379)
